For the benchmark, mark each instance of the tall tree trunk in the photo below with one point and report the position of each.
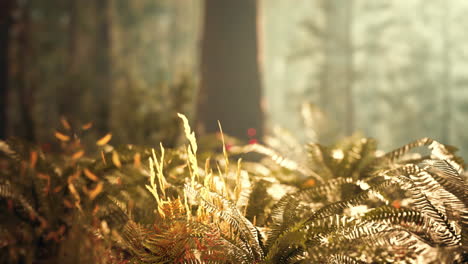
(336, 91)
(5, 26)
(103, 64)
(349, 74)
(69, 99)
(25, 83)
(446, 77)
(230, 69)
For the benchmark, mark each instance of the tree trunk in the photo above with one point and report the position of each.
(446, 75)
(70, 94)
(230, 70)
(5, 26)
(25, 83)
(103, 65)
(336, 91)
(349, 75)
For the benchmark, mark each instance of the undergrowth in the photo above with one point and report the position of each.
(344, 203)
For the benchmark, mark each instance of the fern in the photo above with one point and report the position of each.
(343, 203)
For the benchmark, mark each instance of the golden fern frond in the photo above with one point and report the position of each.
(447, 176)
(375, 192)
(291, 243)
(398, 153)
(280, 160)
(228, 212)
(446, 234)
(343, 259)
(13, 193)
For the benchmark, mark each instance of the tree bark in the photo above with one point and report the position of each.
(230, 70)
(70, 94)
(446, 75)
(349, 53)
(103, 64)
(336, 91)
(26, 85)
(5, 26)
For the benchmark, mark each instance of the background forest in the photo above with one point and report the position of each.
(393, 70)
(233, 131)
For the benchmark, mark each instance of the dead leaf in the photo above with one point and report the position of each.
(61, 137)
(137, 160)
(104, 140)
(33, 159)
(65, 123)
(61, 230)
(75, 194)
(77, 154)
(308, 183)
(96, 209)
(90, 175)
(43, 222)
(10, 205)
(47, 178)
(67, 204)
(396, 204)
(87, 126)
(103, 158)
(116, 159)
(74, 176)
(94, 192)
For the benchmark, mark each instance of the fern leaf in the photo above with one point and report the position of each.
(8, 191)
(229, 213)
(343, 259)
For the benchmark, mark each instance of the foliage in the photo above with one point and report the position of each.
(345, 203)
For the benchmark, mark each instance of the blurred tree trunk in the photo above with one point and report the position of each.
(446, 75)
(69, 99)
(336, 91)
(26, 85)
(230, 69)
(349, 74)
(6, 7)
(103, 90)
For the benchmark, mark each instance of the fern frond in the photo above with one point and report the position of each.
(281, 160)
(446, 235)
(227, 211)
(398, 153)
(8, 191)
(376, 192)
(6, 150)
(112, 211)
(289, 244)
(447, 176)
(343, 259)
(405, 219)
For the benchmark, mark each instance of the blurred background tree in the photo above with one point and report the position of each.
(230, 69)
(5, 29)
(394, 70)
